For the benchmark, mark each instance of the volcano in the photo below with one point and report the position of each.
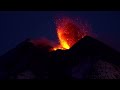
(89, 58)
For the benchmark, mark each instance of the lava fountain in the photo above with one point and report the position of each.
(69, 31)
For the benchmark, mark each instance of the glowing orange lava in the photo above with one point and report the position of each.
(69, 32)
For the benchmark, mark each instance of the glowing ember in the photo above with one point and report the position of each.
(69, 32)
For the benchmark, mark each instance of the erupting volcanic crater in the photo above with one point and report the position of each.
(76, 56)
(69, 32)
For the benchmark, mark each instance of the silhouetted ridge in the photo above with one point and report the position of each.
(92, 47)
(88, 58)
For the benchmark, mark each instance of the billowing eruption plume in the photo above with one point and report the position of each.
(69, 31)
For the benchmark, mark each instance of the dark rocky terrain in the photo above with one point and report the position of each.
(87, 59)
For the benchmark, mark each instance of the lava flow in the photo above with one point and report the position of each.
(69, 32)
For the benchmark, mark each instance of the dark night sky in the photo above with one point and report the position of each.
(16, 26)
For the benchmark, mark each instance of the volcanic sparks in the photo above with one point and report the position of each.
(69, 32)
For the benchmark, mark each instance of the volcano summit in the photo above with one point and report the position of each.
(87, 59)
